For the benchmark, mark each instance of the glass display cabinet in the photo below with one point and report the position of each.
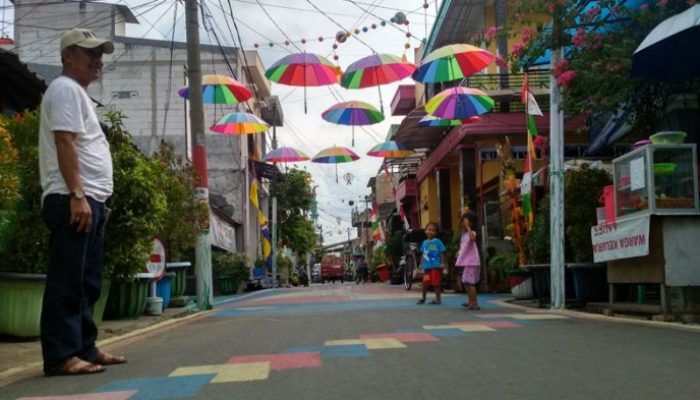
(658, 179)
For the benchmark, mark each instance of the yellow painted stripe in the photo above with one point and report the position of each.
(255, 371)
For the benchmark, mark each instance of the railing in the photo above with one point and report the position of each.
(486, 82)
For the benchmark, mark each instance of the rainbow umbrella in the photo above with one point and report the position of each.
(390, 149)
(240, 123)
(429, 120)
(376, 70)
(303, 69)
(220, 89)
(353, 113)
(285, 154)
(459, 103)
(452, 62)
(335, 155)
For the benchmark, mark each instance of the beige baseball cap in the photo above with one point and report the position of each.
(86, 39)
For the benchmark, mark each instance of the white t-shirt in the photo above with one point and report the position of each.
(66, 106)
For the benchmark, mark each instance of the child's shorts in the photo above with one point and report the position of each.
(432, 277)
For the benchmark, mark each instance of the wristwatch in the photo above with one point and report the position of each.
(78, 193)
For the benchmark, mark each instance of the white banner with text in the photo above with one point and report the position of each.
(621, 239)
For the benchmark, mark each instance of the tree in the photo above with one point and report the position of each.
(600, 39)
(293, 194)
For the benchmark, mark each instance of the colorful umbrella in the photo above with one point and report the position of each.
(220, 89)
(375, 70)
(452, 62)
(459, 103)
(303, 69)
(285, 154)
(390, 149)
(429, 120)
(335, 155)
(240, 123)
(353, 113)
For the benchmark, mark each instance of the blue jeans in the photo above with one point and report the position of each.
(73, 283)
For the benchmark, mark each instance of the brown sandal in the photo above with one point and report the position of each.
(109, 359)
(77, 366)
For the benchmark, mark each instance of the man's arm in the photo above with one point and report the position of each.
(80, 212)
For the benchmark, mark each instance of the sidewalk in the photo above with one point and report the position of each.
(19, 356)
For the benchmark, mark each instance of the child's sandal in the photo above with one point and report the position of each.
(421, 301)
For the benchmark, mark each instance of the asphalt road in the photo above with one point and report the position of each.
(374, 342)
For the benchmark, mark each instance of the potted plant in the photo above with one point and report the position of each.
(284, 267)
(186, 217)
(582, 188)
(519, 279)
(230, 271)
(139, 207)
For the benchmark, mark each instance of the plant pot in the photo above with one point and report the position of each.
(178, 284)
(21, 298)
(590, 281)
(127, 299)
(520, 284)
(154, 305)
(228, 285)
(164, 288)
(98, 309)
(542, 281)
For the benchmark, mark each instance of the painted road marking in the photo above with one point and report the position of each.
(123, 395)
(282, 360)
(244, 372)
(160, 388)
(371, 344)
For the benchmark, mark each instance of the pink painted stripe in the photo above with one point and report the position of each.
(490, 324)
(405, 337)
(282, 361)
(123, 395)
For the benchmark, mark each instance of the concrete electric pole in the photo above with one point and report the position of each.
(205, 295)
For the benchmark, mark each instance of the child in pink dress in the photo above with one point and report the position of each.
(468, 258)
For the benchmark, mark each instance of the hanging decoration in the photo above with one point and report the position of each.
(220, 89)
(459, 103)
(240, 123)
(452, 62)
(335, 155)
(429, 120)
(353, 113)
(303, 69)
(285, 154)
(376, 70)
(390, 149)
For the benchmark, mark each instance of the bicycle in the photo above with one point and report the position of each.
(409, 263)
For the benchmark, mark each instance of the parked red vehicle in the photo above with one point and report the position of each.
(332, 268)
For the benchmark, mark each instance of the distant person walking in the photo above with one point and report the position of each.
(468, 258)
(432, 262)
(76, 178)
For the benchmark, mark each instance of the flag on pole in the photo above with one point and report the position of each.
(377, 233)
(531, 109)
(265, 236)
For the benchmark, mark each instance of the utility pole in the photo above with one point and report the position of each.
(556, 168)
(205, 295)
(274, 241)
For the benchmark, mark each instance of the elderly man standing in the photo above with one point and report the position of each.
(76, 178)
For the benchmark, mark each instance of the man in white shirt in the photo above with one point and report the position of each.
(76, 177)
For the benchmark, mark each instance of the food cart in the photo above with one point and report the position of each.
(653, 240)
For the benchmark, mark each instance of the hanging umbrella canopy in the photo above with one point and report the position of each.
(220, 89)
(459, 103)
(667, 54)
(429, 120)
(303, 69)
(285, 154)
(240, 123)
(452, 62)
(390, 149)
(353, 113)
(335, 155)
(375, 70)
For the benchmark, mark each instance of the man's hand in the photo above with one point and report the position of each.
(80, 214)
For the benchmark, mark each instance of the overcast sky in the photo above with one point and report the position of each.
(264, 21)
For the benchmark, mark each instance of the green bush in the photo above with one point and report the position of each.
(582, 189)
(25, 235)
(186, 217)
(505, 262)
(231, 265)
(9, 184)
(139, 205)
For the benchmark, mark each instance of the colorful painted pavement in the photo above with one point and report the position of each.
(186, 381)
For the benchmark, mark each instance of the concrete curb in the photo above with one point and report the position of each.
(602, 318)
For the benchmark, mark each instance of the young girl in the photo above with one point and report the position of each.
(432, 262)
(468, 258)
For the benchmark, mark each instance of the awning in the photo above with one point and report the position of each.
(267, 170)
(221, 233)
(21, 88)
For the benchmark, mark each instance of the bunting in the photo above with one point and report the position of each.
(531, 109)
(265, 236)
(377, 232)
